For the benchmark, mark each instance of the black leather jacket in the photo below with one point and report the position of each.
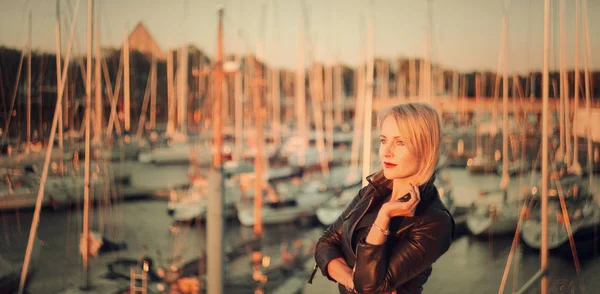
(403, 262)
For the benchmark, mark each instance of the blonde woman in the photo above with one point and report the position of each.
(386, 240)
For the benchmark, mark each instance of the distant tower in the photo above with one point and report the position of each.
(141, 40)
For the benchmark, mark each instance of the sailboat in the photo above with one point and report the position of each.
(581, 209)
(583, 213)
(60, 188)
(570, 195)
(493, 212)
(285, 202)
(15, 153)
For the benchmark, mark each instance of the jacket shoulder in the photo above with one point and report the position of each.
(437, 218)
(366, 191)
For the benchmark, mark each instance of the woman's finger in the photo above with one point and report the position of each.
(418, 193)
(414, 200)
(416, 196)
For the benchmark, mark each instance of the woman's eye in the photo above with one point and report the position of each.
(382, 141)
(399, 143)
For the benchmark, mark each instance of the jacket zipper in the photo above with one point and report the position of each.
(356, 223)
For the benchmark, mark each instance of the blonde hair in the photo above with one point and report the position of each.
(420, 129)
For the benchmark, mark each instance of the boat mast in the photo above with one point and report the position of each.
(338, 93)
(112, 118)
(505, 178)
(98, 120)
(126, 102)
(170, 95)
(301, 99)
(40, 196)
(368, 122)
(214, 218)
(426, 95)
(359, 92)
(564, 85)
(329, 108)
(182, 87)
(275, 83)
(588, 94)
(239, 102)
(59, 85)
(153, 74)
(316, 97)
(259, 114)
(28, 111)
(545, 131)
(412, 77)
(478, 150)
(86, 181)
(576, 167)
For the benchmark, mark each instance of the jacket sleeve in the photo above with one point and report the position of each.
(329, 246)
(383, 268)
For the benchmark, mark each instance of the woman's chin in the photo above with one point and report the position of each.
(388, 175)
(396, 176)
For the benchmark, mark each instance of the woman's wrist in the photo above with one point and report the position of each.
(350, 282)
(382, 217)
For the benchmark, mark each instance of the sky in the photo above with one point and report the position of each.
(465, 35)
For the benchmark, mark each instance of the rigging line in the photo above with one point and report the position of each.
(12, 105)
(276, 34)
(42, 71)
(24, 28)
(5, 111)
(528, 42)
(66, 29)
(238, 27)
(329, 35)
(506, 9)
(432, 48)
(102, 16)
(262, 31)
(184, 23)
(554, 16)
(307, 37)
(362, 38)
(16, 85)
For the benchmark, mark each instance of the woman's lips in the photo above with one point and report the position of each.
(389, 164)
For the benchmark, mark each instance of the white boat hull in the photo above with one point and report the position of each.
(495, 218)
(305, 208)
(479, 226)
(193, 204)
(557, 233)
(328, 215)
(65, 190)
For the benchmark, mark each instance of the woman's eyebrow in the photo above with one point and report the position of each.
(395, 137)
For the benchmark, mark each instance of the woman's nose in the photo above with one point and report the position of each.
(387, 151)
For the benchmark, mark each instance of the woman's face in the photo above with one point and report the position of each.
(396, 160)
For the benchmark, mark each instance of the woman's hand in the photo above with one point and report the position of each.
(339, 270)
(398, 207)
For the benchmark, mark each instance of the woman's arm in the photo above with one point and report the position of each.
(395, 207)
(381, 268)
(377, 234)
(328, 247)
(339, 270)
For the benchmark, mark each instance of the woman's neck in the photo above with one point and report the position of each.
(401, 187)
